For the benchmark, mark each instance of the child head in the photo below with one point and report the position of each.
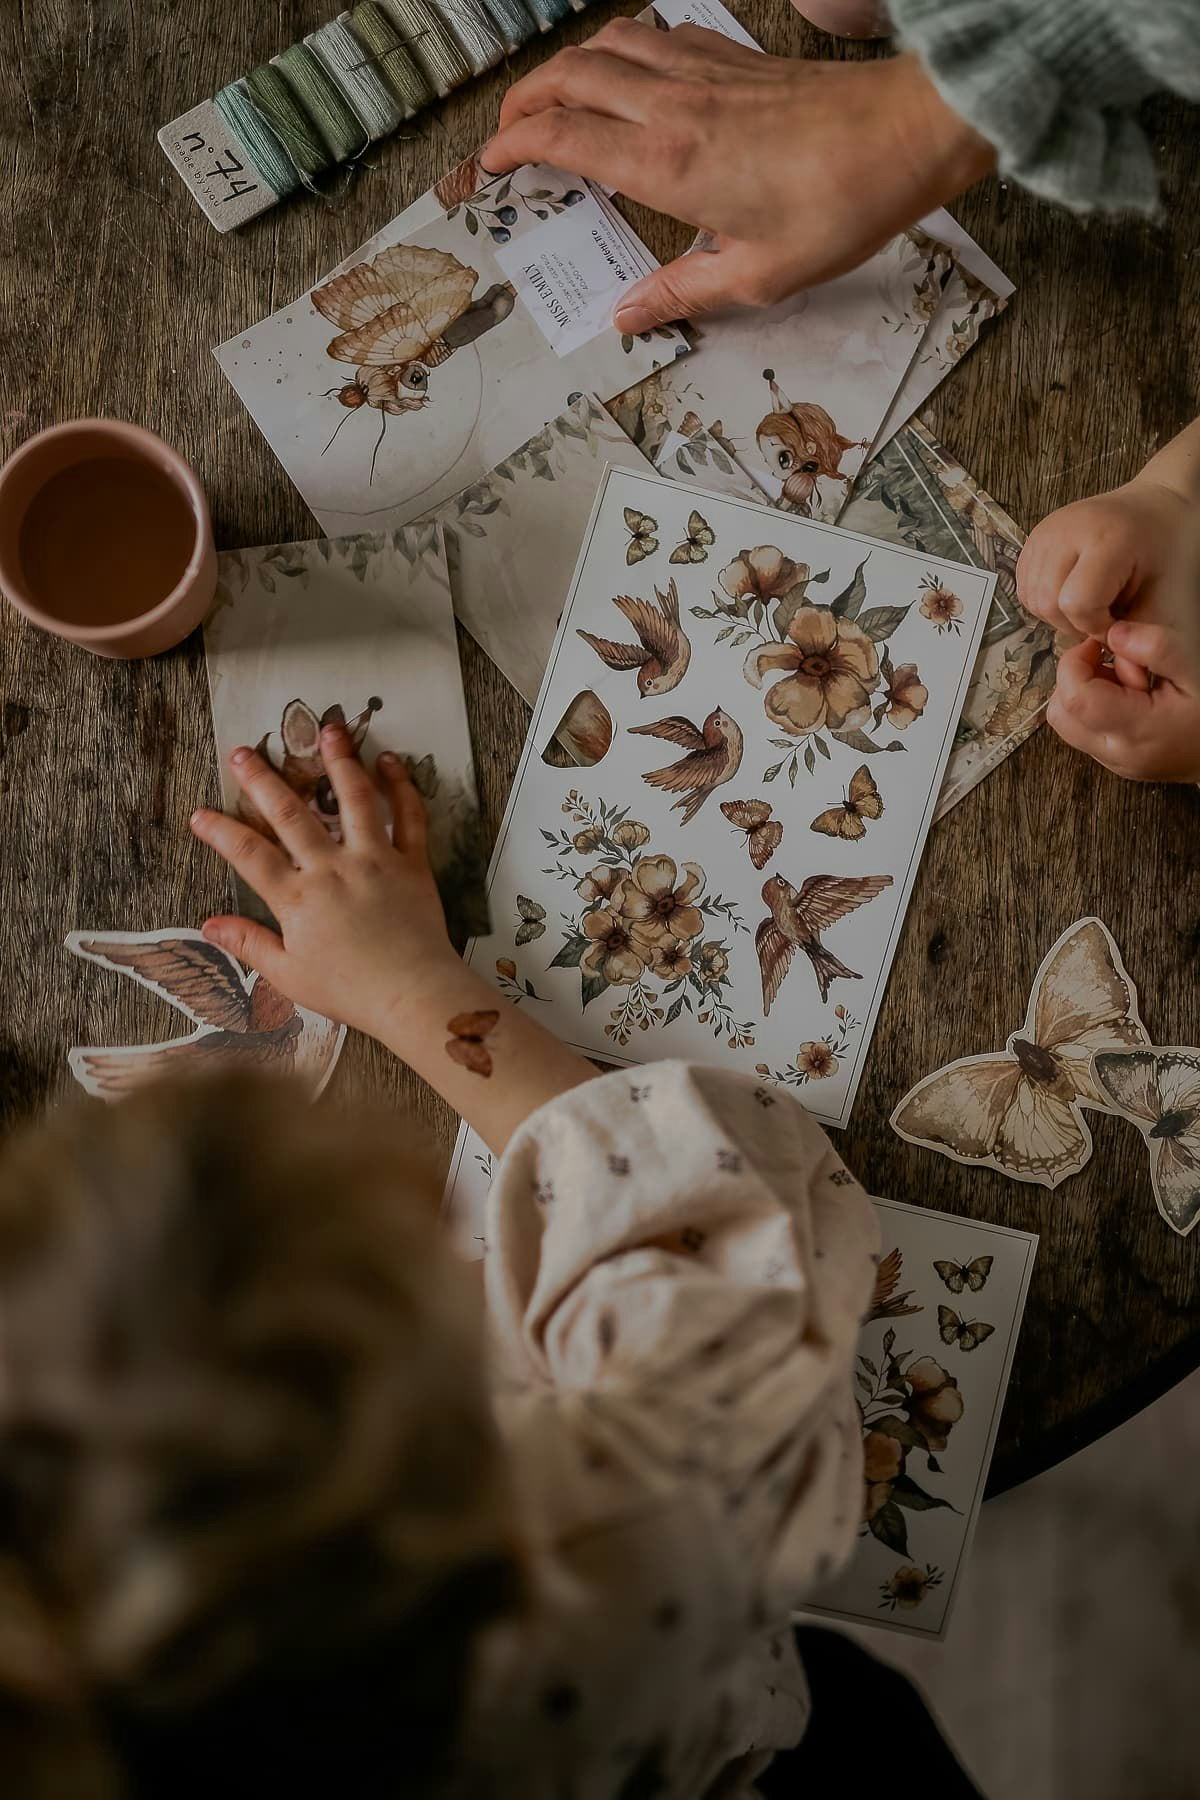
(252, 1508)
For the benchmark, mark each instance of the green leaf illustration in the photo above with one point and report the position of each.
(571, 954)
(772, 772)
(592, 986)
(890, 1527)
(858, 740)
(810, 762)
(846, 604)
(822, 746)
(472, 222)
(879, 622)
(908, 1494)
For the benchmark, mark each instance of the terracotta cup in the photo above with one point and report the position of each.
(847, 18)
(105, 538)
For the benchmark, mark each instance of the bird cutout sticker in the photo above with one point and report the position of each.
(466, 1045)
(797, 919)
(862, 802)
(800, 444)
(1020, 1112)
(240, 1021)
(972, 1275)
(886, 1303)
(714, 756)
(695, 546)
(642, 541)
(663, 650)
(302, 765)
(1158, 1090)
(400, 316)
(953, 1330)
(763, 834)
(533, 920)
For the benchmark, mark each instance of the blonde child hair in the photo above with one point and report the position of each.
(253, 1513)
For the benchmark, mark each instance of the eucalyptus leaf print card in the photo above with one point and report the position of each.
(411, 370)
(724, 877)
(931, 1374)
(359, 628)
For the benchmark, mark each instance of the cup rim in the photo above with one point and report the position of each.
(188, 481)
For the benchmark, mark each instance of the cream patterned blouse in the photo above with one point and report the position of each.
(677, 1264)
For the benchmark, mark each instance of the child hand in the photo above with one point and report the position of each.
(1148, 731)
(1094, 561)
(361, 921)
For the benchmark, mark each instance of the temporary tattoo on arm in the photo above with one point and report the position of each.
(465, 1044)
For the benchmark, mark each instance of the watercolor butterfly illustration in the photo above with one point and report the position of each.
(663, 650)
(798, 917)
(972, 1275)
(694, 548)
(763, 833)
(302, 766)
(800, 444)
(1159, 1091)
(1019, 1111)
(862, 802)
(953, 1330)
(465, 1044)
(714, 755)
(400, 315)
(533, 920)
(642, 541)
(886, 1303)
(240, 1020)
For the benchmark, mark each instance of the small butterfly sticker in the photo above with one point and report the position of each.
(642, 541)
(862, 802)
(954, 1330)
(763, 833)
(971, 1275)
(465, 1044)
(694, 548)
(533, 920)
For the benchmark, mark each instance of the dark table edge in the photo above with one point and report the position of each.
(1065, 1441)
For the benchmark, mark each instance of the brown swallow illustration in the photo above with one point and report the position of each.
(714, 757)
(663, 650)
(240, 1019)
(886, 1303)
(797, 920)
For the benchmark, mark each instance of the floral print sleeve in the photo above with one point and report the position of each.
(678, 1265)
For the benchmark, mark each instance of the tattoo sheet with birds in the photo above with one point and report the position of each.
(409, 372)
(728, 881)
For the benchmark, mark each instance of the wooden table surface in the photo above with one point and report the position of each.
(113, 288)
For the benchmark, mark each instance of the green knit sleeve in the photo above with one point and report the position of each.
(1055, 85)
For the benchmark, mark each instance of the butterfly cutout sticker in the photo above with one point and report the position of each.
(763, 833)
(533, 920)
(642, 541)
(465, 1044)
(953, 1330)
(862, 802)
(957, 1276)
(1158, 1090)
(1020, 1111)
(694, 548)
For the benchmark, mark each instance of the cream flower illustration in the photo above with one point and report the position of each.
(831, 670)
(712, 964)
(655, 906)
(631, 834)
(587, 840)
(764, 574)
(612, 953)
(669, 958)
(601, 883)
(907, 696)
(816, 1059)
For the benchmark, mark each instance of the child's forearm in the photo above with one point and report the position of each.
(1177, 464)
(493, 1074)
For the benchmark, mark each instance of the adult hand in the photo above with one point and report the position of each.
(798, 170)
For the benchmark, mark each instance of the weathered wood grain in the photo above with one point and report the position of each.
(113, 287)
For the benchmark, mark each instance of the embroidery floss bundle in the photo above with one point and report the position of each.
(347, 85)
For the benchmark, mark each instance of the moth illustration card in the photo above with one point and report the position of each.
(238, 1019)
(512, 537)
(1158, 1090)
(411, 370)
(360, 629)
(932, 1370)
(727, 880)
(1020, 1111)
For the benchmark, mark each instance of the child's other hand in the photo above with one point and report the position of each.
(362, 923)
(1146, 731)
(1097, 560)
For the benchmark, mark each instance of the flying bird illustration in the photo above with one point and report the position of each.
(663, 650)
(714, 757)
(240, 1020)
(886, 1303)
(799, 916)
